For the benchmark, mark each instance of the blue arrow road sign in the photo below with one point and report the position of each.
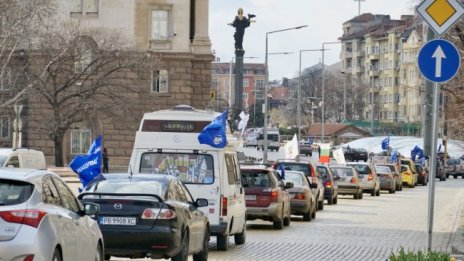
(439, 60)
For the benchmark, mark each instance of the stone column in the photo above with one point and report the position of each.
(201, 42)
(238, 102)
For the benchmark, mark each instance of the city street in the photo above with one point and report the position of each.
(367, 229)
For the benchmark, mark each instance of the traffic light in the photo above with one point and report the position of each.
(212, 95)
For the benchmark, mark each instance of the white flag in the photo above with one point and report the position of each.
(291, 148)
(243, 121)
(339, 156)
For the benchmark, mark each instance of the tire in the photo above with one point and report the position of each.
(391, 191)
(308, 216)
(360, 196)
(447, 176)
(99, 254)
(278, 224)
(287, 221)
(222, 242)
(183, 253)
(203, 254)
(455, 176)
(377, 193)
(241, 237)
(57, 255)
(107, 257)
(320, 204)
(330, 201)
(411, 186)
(356, 196)
(373, 192)
(335, 201)
(313, 215)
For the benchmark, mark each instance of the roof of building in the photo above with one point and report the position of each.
(331, 129)
(279, 93)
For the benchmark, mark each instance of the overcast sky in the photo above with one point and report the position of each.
(323, 17)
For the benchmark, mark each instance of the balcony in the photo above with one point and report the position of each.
(374, 56)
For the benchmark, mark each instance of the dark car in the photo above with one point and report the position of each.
(454, 167)
(149, 216)
(422, 178)
(330, 186)
(306, 148)
(303, 201)
(309, 170)
(355, 154)
(266, 195)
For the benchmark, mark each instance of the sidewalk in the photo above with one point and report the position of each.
(457, 249)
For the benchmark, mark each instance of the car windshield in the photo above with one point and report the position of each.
(382, 169)
(189, 168)
(361, 169)
(296, 167)
(255, 178)
(129, 187)
(2, 160)
(294, 177)
(342, 172)
(14, 192)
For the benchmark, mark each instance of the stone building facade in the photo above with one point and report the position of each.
(173, 32)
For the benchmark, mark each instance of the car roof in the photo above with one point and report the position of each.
(139, 177)
(22, 174)
(255, 167)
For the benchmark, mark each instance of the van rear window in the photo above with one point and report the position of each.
(189, 168)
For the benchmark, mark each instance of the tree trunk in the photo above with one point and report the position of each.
(58, 140)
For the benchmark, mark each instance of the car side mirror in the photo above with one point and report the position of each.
(289, 185)
(313, 185)
(336, 177)
(91, 208)
(201, 202)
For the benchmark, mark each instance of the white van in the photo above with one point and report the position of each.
(167, 142)
(22, 158)
(273, 139)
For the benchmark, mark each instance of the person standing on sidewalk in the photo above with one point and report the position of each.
(105, 160)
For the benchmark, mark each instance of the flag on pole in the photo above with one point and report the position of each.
(88, 166)
(324, 156)
(291, 148)
(339, 156)
(243, 121)
(214, 134)
(386, 143)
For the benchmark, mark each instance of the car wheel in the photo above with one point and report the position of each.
(391, 191)
(307, 216)
(335, 201)
(287, 221)
(447, 176)
(107, 257)
(356, 196)
(222, 242)
(184, 248)
(203, 254)
(99, 254)
(313, 216)
(57, 255)
(373, 192)
(411, 186)
(377, 193)
(278, 224)
(241, 237)
(330, 200)
(360, 195)
(455, 176)
(320, 204)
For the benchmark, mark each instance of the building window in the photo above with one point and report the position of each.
(245, 95)
(160, 25)
(83, 60)
(215, 83)
(4, 127)
(259, 96)
(6, 80)
(259, 83)
(160, 81)
(245, 83)
(84, 7)
(80, 139)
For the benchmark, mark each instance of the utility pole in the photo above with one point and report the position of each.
(359, 5)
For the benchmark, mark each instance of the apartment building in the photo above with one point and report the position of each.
(223, 82)
(379, 54)
(174, 33)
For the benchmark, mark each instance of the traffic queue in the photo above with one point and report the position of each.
(185, 184)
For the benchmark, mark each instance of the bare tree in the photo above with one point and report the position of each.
(89, 72)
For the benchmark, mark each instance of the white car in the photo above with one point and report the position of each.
(251, 140)
(41, 219)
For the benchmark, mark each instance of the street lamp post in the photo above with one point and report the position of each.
(266, 82)
(323, 89)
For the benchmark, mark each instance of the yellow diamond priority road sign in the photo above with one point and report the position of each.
(440, 15)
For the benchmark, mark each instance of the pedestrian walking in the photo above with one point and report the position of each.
(105, 160)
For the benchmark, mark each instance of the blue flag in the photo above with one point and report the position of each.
(282, 170)
(386, 143)
(416, 151)
(88, 166)
(310, 141)
(214, 134)
(394, 157)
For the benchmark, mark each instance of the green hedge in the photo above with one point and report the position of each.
(419, 256)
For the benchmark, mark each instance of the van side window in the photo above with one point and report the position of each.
(231, 168)
(238, 180)
(14, 161)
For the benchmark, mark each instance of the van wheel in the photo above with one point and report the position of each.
(57, 255)
(241, 237)
(223, 242)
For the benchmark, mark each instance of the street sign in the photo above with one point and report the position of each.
(440, 15)
(439, 60)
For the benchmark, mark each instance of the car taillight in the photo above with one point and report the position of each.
(354, 180)
(300, 196)
(156, 213)
(224, 206)
(26, 217)
(370, 177)
(29, 258)
(328, 184)
(273, 193)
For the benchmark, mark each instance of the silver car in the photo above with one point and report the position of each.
(41, 219)
(387, 181)
(370, 182)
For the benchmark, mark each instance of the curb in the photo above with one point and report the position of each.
(457, 248)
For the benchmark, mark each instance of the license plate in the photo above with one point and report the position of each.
(250, 197)
(122, 221)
